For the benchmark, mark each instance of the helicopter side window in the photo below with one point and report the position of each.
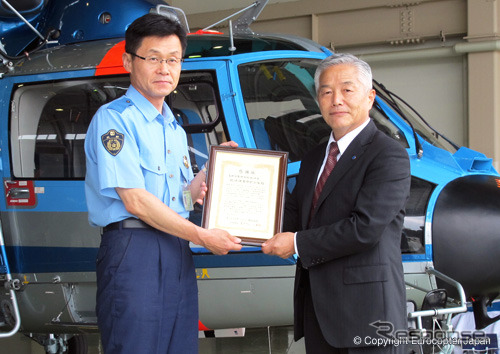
(49, 121)
(413, 237)
(49, 124)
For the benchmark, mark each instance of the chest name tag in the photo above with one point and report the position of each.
(113, 141)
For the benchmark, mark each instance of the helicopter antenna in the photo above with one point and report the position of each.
(6, 59)
(242, 24)
(23, 19)
(174, 14)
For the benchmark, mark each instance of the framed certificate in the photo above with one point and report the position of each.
(246, 192)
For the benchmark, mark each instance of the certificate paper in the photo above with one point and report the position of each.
(245, 192)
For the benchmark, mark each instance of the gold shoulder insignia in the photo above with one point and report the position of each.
(113, 141)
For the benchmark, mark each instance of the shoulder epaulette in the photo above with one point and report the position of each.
(120, 104)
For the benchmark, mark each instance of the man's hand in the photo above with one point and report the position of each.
(198, 189)
(230, 143)
(281, 245)
(220, 242)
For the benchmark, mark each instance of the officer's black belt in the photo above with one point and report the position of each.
(127, 224)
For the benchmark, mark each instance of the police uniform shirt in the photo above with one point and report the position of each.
(130, 145)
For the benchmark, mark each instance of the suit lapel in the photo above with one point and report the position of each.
(348, 159)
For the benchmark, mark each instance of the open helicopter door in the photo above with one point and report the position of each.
(10, 310)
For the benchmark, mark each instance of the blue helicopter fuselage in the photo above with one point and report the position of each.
(259, 94)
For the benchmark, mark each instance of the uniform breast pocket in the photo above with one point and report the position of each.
(187, 174)
(154, 175)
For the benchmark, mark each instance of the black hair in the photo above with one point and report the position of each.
(152, 25)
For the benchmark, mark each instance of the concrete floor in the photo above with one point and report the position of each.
(19, 344)
(276, 340)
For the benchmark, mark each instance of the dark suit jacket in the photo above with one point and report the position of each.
(351, 248)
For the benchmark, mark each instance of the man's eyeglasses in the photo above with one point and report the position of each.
(155, 61)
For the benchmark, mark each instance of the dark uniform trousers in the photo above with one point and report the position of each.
(147, 297)
(316, 343)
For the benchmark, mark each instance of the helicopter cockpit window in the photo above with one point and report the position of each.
(49, 123)
(385, 125)
(421, 127)
(280, 101)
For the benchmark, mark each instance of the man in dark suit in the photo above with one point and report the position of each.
(349, 284)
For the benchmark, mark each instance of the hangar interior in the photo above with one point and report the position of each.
(441, 56)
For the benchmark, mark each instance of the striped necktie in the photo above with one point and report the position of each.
(331, 161)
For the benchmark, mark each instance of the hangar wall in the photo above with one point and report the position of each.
(442, 56)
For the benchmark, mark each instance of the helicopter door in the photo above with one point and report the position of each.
(48, 239)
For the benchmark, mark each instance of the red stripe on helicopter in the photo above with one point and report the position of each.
(205, 32)
(112, 63)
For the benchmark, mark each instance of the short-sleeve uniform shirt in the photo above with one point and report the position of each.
(129, 144)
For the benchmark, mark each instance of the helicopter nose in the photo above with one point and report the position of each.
(466, 234)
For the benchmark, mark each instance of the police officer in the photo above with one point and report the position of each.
(137, 188)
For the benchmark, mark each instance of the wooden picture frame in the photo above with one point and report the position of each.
(246, 192)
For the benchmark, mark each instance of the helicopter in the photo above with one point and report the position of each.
(255, 89)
